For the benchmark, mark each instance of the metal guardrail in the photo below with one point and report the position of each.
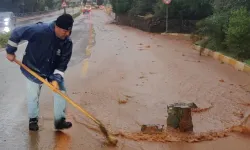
(30, 14)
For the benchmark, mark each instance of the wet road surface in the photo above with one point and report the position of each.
(13, 110)
(149, 71)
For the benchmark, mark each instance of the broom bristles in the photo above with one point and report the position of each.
(110, 139)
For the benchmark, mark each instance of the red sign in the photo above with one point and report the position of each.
(167, 1)
(64, 4)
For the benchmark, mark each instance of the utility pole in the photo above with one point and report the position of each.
(166, 19)
(64, 5)
(167, 2)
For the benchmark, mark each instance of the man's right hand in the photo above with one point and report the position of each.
(11, 57)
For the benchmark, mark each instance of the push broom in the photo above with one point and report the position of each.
(111, 140)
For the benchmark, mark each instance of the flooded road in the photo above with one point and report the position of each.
(149, 72)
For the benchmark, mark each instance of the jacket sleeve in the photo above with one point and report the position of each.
(64, 59)
(17, 35)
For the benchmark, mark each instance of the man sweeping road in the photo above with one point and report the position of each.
(48, 53)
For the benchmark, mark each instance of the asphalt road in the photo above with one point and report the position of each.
(13, 109)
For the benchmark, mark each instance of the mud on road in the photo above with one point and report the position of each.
(133, 76)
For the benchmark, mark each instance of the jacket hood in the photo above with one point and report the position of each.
(52, 26)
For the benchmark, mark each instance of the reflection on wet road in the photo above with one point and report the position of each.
(61, 140)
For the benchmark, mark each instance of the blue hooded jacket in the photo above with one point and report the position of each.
(45, 54)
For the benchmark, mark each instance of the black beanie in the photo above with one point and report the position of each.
(65, 21)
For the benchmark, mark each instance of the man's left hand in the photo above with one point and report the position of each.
(55, 79)
(55, 84)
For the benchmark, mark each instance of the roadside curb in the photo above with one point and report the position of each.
(176, 34)
(238, 65)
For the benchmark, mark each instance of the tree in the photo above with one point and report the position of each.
(184, 9)
(49, 3)
(99, 2)
(121, 6)
(238, 33)
(227, 29)
(84, 2)
(142, 7)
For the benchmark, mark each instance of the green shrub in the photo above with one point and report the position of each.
(214, 28)
(238, 33)
(121, 6)
(4, 39)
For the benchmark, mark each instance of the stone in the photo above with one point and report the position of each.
(152, 128)
(179, 116)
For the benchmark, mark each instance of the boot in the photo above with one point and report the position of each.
(33, 124)
(62, 124)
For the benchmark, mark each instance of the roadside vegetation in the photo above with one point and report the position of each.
(4, 39)
(222, 25)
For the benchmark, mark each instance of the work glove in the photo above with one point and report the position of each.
(55, 79)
